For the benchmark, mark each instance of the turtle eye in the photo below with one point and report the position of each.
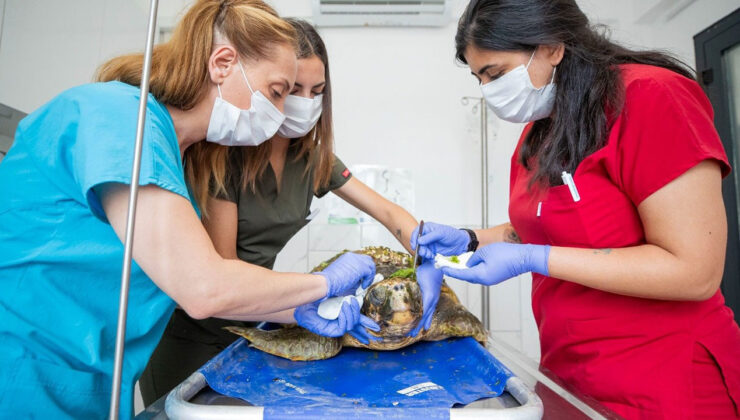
(377, 296)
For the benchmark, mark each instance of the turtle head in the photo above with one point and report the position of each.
(395, 304)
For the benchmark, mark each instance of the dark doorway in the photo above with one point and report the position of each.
(718, 67)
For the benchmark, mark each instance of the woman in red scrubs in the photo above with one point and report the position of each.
(616, 198)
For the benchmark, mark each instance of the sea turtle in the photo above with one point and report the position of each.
(394, 303)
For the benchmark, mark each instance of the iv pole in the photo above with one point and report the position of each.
(481, 104)
(115, 401)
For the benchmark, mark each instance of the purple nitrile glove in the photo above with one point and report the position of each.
(501, 261)
(350, 320)
(346, 273)
(430, 281)
(440, 239)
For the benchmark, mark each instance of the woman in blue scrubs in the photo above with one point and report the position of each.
(223, 77)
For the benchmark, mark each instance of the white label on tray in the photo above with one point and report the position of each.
(419, 388)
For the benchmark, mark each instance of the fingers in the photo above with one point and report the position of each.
(432, 236)
(369, 323)
(469, 274)
(374, 338)
(426, 253)
(360, 335)
(475, 259)
(367, 270)
(341, 321)
(348, 316)
(355, 311)
(368, 278)
(428, 320)
(416, 330)
(429, 312)
(429, 307)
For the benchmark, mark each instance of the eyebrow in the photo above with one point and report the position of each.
(483, 69)
(314, 87)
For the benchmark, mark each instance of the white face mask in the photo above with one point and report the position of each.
(232, 126)
(513, 97)
(301, 115)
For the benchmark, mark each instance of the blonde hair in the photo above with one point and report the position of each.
(317, 146)
(179, 74)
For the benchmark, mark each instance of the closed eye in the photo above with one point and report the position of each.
(497, 75)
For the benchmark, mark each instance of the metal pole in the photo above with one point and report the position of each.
(485, 290)
(115, 402)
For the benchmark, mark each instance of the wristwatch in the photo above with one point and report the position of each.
(473, 244)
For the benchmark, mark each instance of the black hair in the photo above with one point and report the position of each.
(590, 93)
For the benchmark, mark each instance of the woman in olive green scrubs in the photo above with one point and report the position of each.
(263, 199)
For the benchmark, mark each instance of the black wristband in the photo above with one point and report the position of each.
(473, 244)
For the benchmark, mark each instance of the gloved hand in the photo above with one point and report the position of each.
(430, 281)
(440, 239)
(344, 275)
(349, 321)
(501, 261)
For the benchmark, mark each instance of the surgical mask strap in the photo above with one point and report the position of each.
(531, 58)
(245, 76)
(552, 79)
(218, 86)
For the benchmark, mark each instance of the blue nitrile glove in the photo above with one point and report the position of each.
(501, 261)
(430, 281)
(344, 275)
(440, 239)
(349, 321)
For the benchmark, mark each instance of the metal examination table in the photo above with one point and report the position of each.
(531, 394)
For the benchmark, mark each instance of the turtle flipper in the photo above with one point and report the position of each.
(294, 343)
(451, 319)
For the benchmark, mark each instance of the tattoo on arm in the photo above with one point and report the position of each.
(605, 251)
(398, 234)
(510, 235)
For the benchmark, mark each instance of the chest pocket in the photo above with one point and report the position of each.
(603, 218)
(561, 218)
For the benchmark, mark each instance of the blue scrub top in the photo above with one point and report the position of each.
(60, 260)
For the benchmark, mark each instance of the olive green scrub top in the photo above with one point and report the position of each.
(271, 216)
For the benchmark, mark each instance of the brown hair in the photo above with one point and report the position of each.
(316, 146)
(179, 74)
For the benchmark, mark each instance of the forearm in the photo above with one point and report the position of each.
(175, 251)
(501, 233)
(397, 220)
(646, 271)
(245, 291)
(282, 317)
(400, 223)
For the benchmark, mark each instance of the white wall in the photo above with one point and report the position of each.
(397, 103)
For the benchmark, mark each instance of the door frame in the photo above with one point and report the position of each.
(710, 46)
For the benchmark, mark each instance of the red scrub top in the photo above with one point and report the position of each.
(643, 358)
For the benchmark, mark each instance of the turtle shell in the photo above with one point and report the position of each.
(394, 303)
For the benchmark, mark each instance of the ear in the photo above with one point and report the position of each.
(222, 62)
(554, 53)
